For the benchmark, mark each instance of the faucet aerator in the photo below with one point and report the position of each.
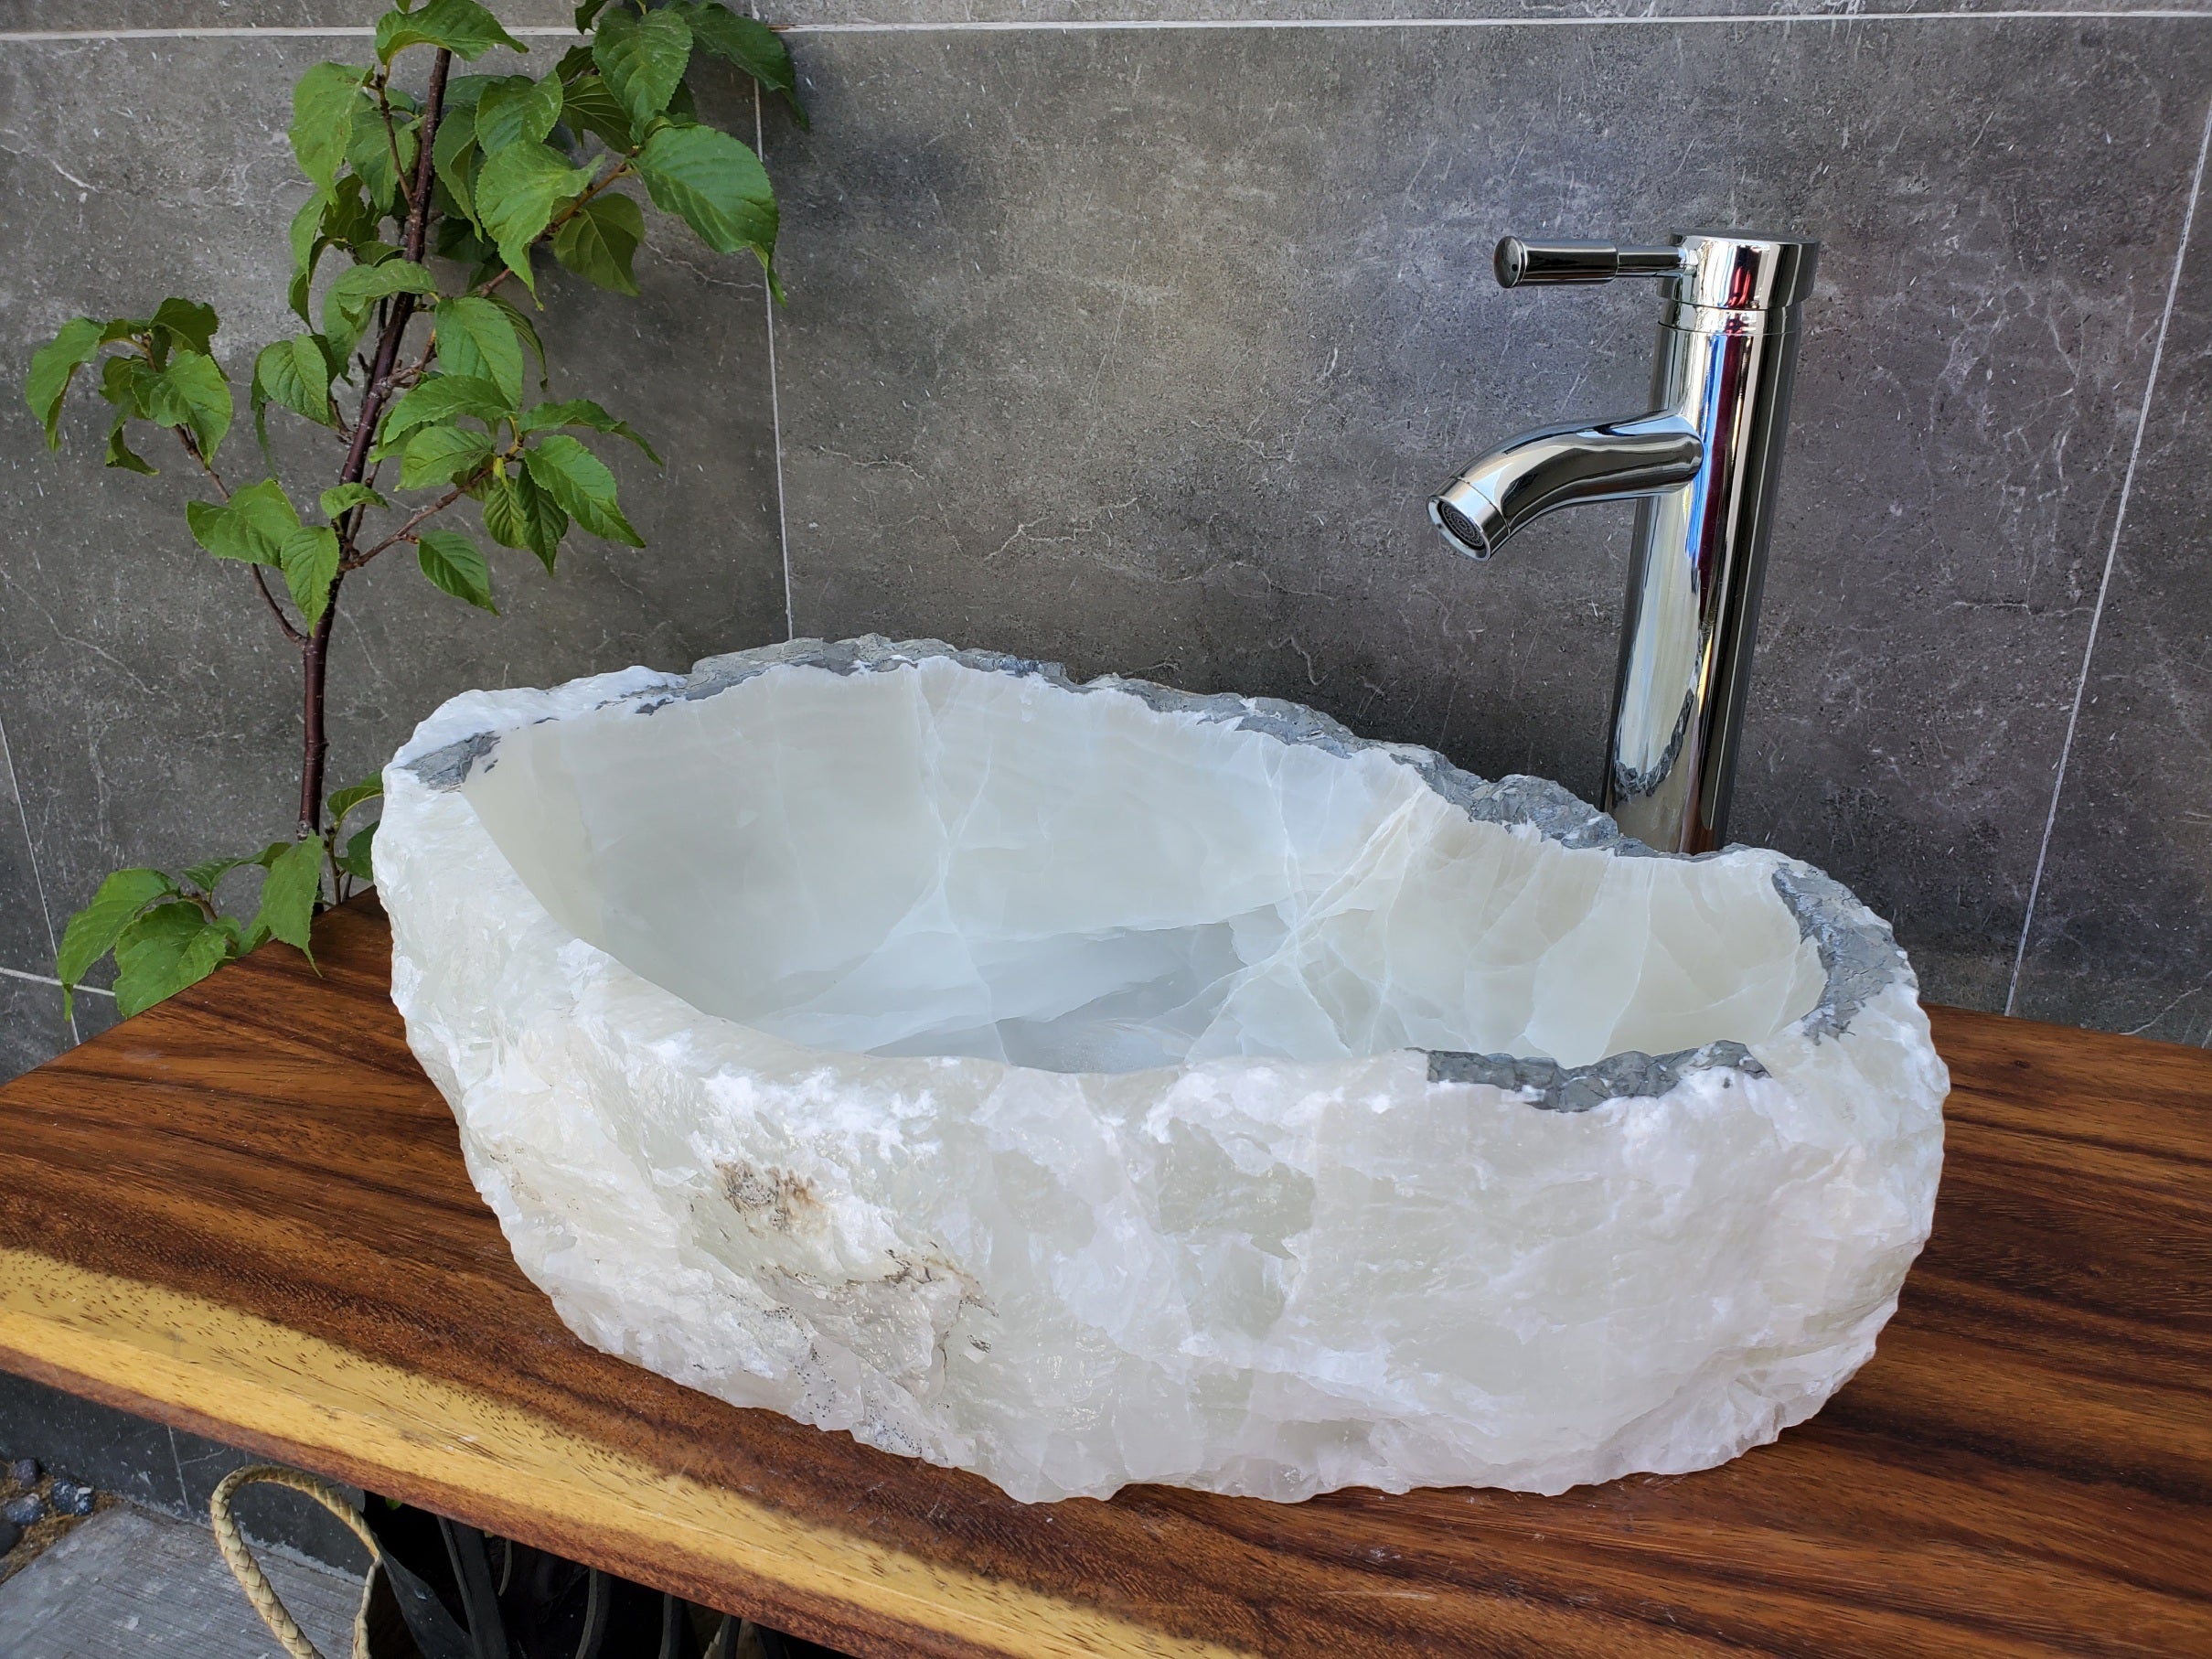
(1473, 537)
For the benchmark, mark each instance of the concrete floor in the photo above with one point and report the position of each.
(129, 1583)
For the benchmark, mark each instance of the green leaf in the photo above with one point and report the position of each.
(581, 411)
(185, 323)
(454, 563)
(590, 107)
(363, 285)
(436, 454)
(92, 931)
(586, 11)
(323, 106)
(289, 893)
(120, 454)
(192, 393)
(53, 366)
(439, 402)
(517, 110)
(643, 59)
(369, 151)
(125, 381)
(352, 299)
(345, 801)
(169, 947)
(208, 872)
(525, 331)
(358, 859)
(296, 374)
(253, 526)
(462, 92)
(476, 338)
(462, 27)
(599, 241)
(309, 560)
(307, 245)
(457, 239)
(683, 108)
(352, 220)
(517, 514)
(580, 482)
(452, 154)
(517, 192)
(748, 43)
(344, 497)
(715, 185)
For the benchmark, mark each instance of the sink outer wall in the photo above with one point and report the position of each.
(1795, 1186)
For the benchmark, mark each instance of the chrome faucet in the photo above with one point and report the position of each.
(1703, 466)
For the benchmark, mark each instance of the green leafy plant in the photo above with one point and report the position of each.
(417, 370)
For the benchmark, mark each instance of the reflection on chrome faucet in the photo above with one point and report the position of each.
(1704, 465)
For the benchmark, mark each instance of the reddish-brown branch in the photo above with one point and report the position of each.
(275, 609)
(191, 446)
(315, 654)
(406, 532)
(391, 141)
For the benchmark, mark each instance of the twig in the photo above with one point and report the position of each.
(406, 532)
(191, 443)
(276, 610)
(391, 141)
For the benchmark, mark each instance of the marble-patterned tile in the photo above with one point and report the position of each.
(2123, 933)
(32, 1031)
(29, 932)
(42, 17)
(151, 705)
(1141, 350)
(49, 17)
(805, 15)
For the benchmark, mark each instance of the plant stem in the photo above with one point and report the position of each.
(314, 652)
(406, 532)
(314, 662)
(277, 610)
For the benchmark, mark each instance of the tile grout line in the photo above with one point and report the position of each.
(30, 854)
(47, 978)
(1142, 24)
(2111, 557)
(775, 407)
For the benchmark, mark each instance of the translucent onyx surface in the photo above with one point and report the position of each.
(942, 862)
(1090, 1084)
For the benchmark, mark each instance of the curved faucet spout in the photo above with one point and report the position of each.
(1554, 467)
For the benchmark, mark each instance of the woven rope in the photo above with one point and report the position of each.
(255, 1582)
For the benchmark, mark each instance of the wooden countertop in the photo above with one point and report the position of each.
(245, 1213)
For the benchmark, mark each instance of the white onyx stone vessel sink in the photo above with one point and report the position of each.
(1089, 1084)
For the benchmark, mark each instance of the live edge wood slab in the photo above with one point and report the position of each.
(245, 1213)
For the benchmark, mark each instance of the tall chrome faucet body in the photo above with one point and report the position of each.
(1704, 465)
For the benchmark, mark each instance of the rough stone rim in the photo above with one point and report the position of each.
(1856, 948)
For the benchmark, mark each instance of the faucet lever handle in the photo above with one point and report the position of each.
(1519, 261)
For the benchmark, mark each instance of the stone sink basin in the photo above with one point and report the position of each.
(1089, 1084)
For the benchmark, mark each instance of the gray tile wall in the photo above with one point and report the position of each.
(1141, 347)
